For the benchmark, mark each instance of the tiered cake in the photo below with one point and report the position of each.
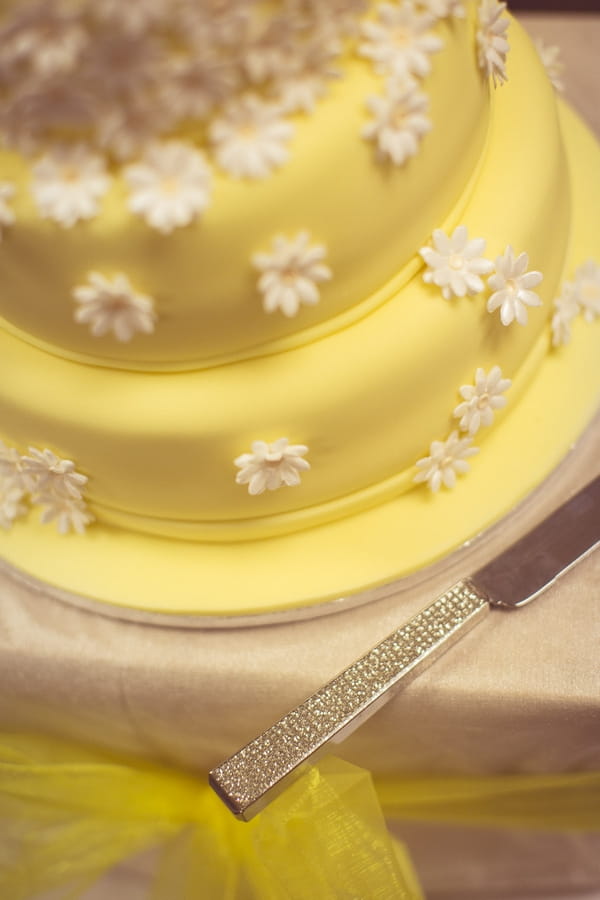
(296, 297)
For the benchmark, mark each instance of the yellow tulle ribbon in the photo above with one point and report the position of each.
(568, 801)
(68, 814)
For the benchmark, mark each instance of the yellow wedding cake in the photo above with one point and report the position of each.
(295, 297)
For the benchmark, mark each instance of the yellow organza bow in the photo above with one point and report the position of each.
(69, 814)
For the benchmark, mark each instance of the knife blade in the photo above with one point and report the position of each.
(253, 776)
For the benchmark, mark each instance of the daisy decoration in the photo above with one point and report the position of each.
(481, 400)
(291, 273)
(446, 460)
(492, 44)
(550, 57)
(113, 305)
(399, 121)
(455, 264)
(400, 43)
(68, 183)
(7, 216)
(11, 507)
(587, 288)
(511, 284)
(566, 308)
(250, 137)
(170, 186)
(269, 466)
(55, 484)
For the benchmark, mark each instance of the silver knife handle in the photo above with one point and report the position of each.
(247, 781)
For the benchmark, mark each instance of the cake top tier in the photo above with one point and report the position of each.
(192, 182)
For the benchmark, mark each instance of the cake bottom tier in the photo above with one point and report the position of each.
(136, 574)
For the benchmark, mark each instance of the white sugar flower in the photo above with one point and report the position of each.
(68, 182)
(66, 512)
(566, 308)
(456, 263)
(512, 285)
(291, 273)
(269, 466)
(35, 114)
(481, 399)
(135, 16)
(249, 138)
(401, 43)
(113, 305)
(197, 85)
(11, 507)
(587, 287)
(304, 79)
(446, 460)
(46, 38)
(121, 63)
(7, 216)
(170, 186)
(125, 130)
(12, 467)
(400, 121)
(49, 475)
(554, 66)
(441, 9)
(492, 44)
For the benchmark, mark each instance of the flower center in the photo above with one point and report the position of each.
(512, 285)
(70, 174)
(398, 118)
(169, 184)
(248, 131)
(456, 261)
(290, 274)
(118, 302)
(483, 401)
(273, 459)
(401, 36)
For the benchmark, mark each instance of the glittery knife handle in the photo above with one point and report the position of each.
(250, 779)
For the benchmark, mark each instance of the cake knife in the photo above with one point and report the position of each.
(253, 776)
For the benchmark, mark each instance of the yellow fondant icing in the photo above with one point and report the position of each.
(367, 398)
